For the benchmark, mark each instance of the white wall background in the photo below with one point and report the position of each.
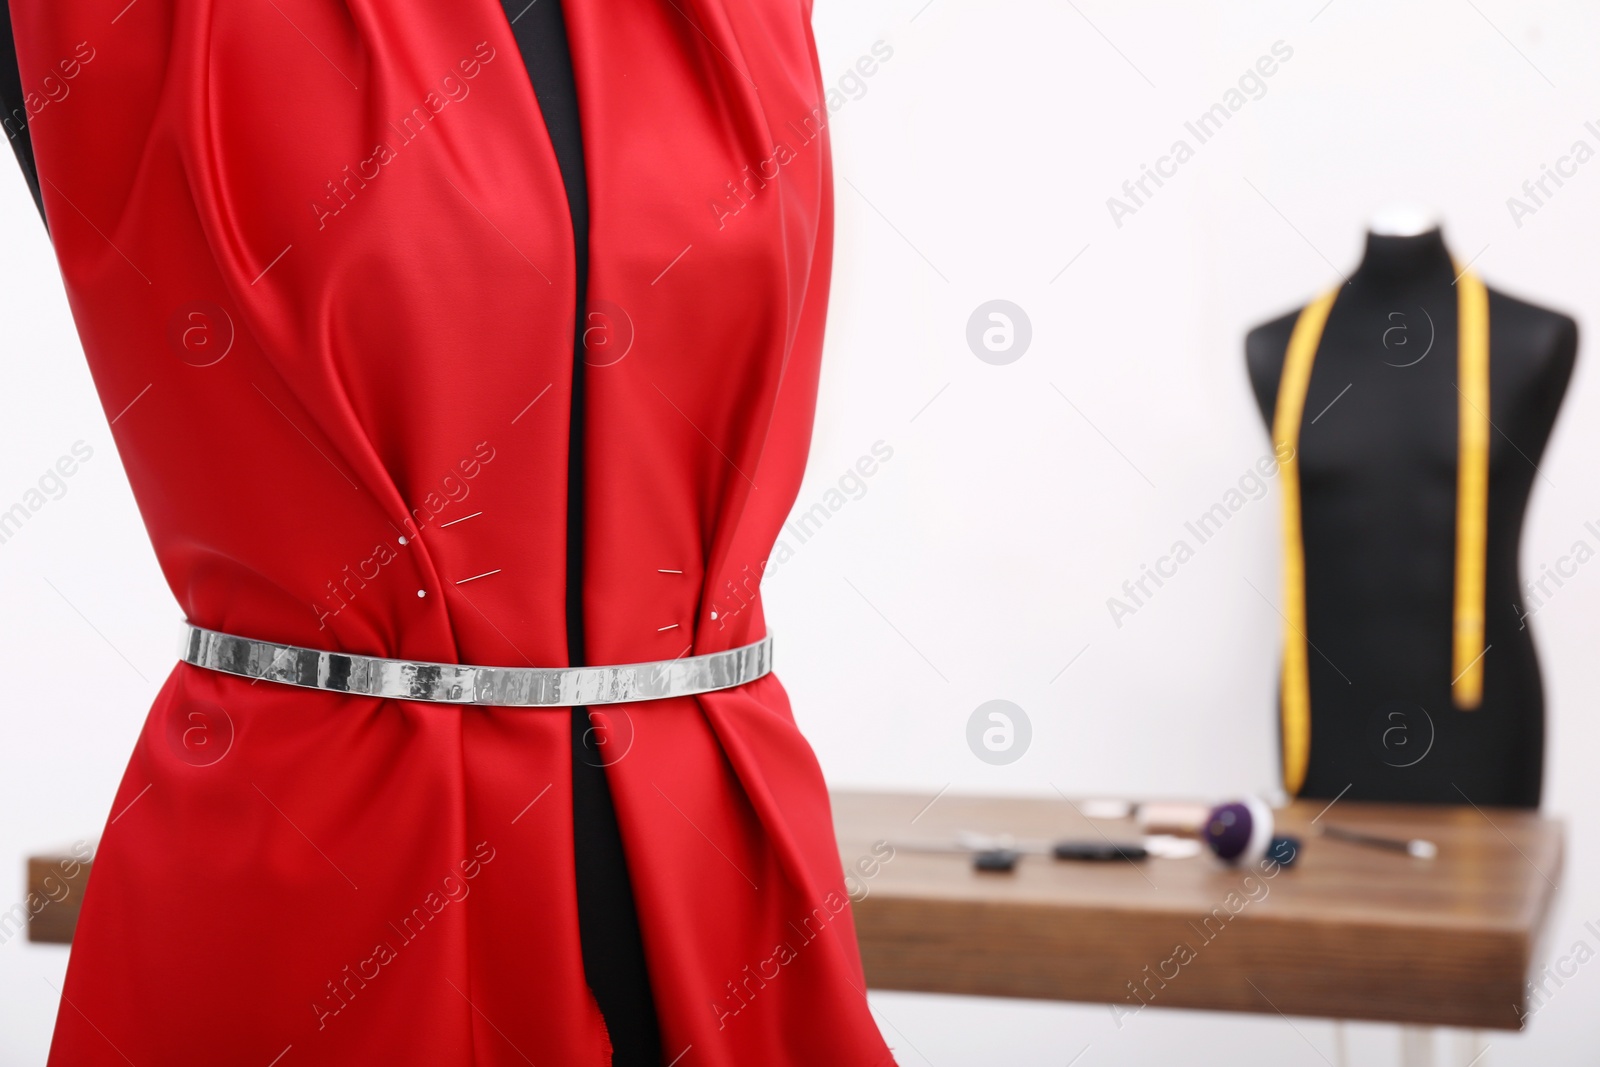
(976, 564)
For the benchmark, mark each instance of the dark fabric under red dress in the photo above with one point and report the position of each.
(320, 261)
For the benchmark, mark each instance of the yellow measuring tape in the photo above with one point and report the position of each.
(1472, 513)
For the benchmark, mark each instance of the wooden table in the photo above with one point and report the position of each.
(1348, 932)
(55, 893)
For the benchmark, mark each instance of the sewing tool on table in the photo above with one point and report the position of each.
(1001, 852)
(1421, 848)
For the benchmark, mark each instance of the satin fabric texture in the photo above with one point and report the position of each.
(319, 258)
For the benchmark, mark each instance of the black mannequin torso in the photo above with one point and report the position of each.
(608, 923)
(612, 946)
(1378, 466)
(13, 108)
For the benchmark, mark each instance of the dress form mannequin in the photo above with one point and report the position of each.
(1378, 462)
(413, 316)
(613, 952)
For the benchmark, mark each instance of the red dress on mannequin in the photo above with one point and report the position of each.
(320, 261)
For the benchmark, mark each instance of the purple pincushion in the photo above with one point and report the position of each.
(1238, 831)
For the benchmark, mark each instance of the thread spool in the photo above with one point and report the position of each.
(1240, 832)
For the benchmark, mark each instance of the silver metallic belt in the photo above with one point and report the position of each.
(452, 683)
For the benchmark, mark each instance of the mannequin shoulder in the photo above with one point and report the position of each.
(1532, 352)
(1264, 347)
(1542, 340)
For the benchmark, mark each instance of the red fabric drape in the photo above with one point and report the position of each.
(322, 250)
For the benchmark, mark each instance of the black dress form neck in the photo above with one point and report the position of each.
(1391, 260)
(1378, 461)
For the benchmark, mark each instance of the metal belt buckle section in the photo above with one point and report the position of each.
(451, 683)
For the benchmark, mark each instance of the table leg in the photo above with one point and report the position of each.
(1471, 1050)
(1416, 1046)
